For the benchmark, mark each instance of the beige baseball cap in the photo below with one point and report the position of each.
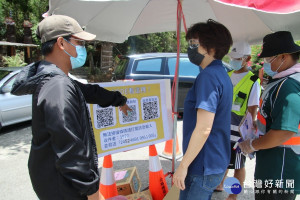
(56, 26)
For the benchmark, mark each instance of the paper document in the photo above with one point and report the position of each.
(246, 128)
(247, 131)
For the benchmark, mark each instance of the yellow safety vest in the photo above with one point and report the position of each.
(241, 93)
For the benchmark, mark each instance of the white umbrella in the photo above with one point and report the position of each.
(115, 20)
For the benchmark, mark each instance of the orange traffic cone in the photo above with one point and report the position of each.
(168, 151)
(108, 187)
(157, 182)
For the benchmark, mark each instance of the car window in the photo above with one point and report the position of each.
(3, 73)
(145, 66)
(186, 68)
(10, 82)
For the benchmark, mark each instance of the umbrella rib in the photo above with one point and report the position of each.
(139, 16)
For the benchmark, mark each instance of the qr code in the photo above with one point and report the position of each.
(105, 117)
(131, 117)
(150, 108)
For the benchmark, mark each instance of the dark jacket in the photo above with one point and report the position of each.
(63, 156)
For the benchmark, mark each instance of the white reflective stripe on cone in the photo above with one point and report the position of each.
(234, 138)
(107, 176)
(234, 128)
(154, 164)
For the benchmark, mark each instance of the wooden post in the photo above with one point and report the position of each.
(27, 40)
(106, 55)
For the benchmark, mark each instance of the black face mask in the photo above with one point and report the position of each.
(194, 56)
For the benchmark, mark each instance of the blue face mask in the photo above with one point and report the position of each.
(267, 67)
(268, 70)
(81, 56)
(236, 64)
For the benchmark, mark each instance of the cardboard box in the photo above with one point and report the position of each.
(145, 195)
(173, 194)
(128, 181)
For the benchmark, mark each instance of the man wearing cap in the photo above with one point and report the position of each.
(246, 92)
(278, 148)
(63, 162)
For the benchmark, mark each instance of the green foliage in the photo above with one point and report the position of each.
(14, 61)
(121, 67)
(226, 59)
(2, 26)
(90, 48)
(20, 10)
(183, 43)
(154, 42)
(256, 63)
(1, 13)
(95, 71)
(97, 75)
(35, 39)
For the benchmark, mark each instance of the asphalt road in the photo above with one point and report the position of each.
(14, 179)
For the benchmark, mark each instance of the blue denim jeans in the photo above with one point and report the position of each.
(199, 187)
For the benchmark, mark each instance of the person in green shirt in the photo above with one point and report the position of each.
(277, 171)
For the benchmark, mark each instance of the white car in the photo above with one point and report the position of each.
(15, 109)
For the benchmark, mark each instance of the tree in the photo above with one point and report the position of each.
(149, 43)
(20, 10)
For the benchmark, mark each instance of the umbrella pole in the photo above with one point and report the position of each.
(179, 16)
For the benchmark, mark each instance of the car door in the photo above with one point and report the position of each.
(186, 77)
(13, 108)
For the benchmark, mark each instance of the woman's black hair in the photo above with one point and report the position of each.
(47, 47)
(211, 35)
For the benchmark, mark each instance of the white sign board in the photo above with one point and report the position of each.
(149, 122)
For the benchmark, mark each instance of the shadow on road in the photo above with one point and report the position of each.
(15, 127)
(15, 139)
